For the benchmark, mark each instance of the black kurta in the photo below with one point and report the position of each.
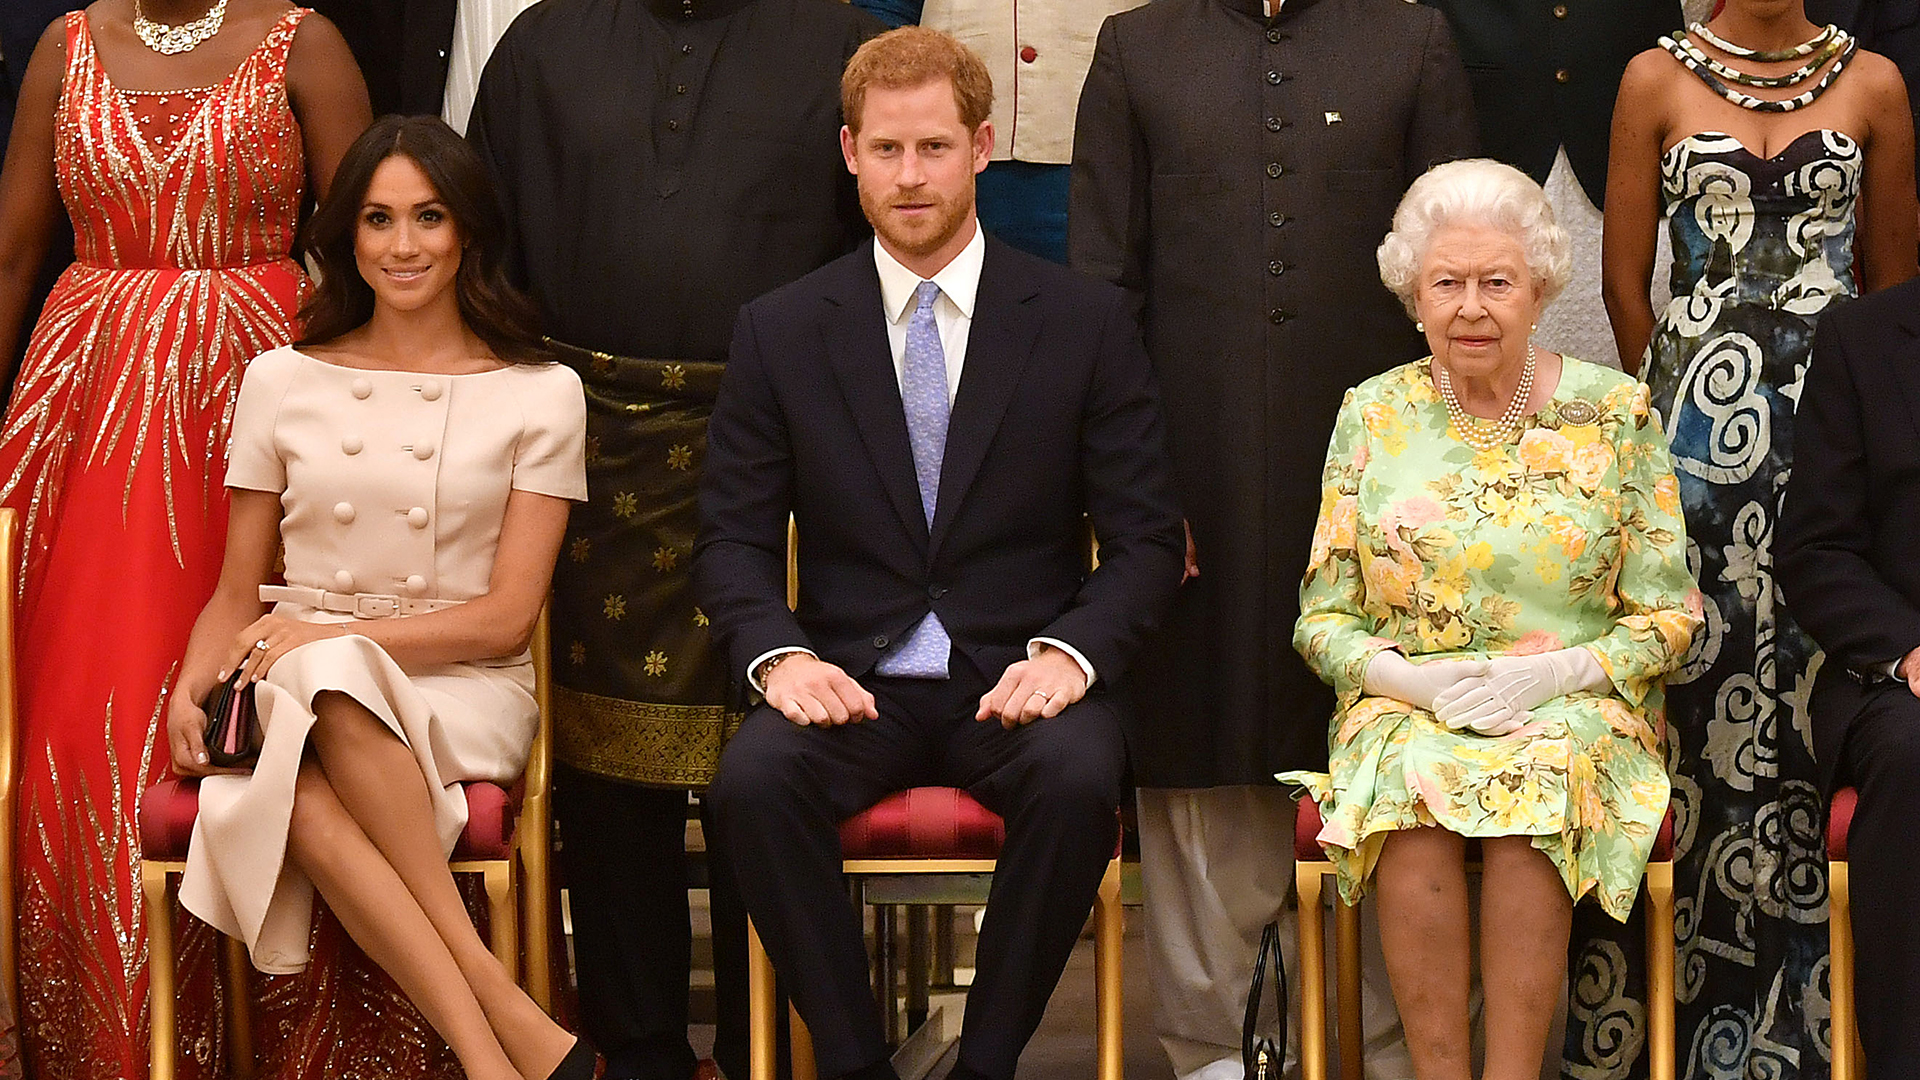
(1238, 172)
(662, 162)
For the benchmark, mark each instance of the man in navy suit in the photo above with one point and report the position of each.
(942, 416)
(1846, 563)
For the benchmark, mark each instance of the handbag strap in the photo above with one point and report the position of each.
(1252, 1045)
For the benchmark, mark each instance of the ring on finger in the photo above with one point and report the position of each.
(261, 644)
(1042, 694)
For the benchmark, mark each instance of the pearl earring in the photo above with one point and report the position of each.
(1419, 326)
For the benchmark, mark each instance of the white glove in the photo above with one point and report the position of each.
(1391, 675)
(1502, 700)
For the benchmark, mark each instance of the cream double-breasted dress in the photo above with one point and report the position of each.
(392, 484)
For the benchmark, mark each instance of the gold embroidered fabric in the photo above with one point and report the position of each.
(662, 745)
(642, 693)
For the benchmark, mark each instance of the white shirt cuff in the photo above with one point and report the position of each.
(768, 655)
(1086, 667)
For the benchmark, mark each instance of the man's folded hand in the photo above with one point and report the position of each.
(808, 690)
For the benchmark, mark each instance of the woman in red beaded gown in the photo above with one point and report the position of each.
(181, 136)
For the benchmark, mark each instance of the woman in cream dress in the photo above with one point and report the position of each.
(416, 460)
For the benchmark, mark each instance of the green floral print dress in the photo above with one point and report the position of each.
(1570, 537)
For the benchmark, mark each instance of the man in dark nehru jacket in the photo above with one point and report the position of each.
(943, 416)
(401, 46)
(1847, 566)
(663, 162)
(1235, 164)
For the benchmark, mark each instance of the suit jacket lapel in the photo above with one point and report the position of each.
(1005, 325)
(862, 362)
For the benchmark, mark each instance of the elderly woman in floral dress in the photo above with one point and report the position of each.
(1497, 585)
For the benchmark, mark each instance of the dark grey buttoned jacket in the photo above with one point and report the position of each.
(1236, 173)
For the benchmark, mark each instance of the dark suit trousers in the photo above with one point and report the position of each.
(783, 790)
(1881, 757)
(625, 860)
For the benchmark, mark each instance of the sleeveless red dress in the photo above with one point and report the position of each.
(114, 449)
(184, 207)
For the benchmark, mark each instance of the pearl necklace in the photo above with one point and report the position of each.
(1765, 56)
(170, 40)
(1474, 431)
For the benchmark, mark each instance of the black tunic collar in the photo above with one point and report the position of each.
(1258, 8)
(696, 10)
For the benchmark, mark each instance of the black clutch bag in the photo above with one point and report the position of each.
(233, 728)
(1264, 1054)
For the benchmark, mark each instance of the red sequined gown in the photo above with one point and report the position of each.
(184, 208)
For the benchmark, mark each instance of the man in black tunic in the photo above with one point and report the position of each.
(1236, 166)
(663, 162)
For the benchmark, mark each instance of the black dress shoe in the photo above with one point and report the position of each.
(580, 1063)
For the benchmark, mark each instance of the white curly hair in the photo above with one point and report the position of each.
(1475, 191)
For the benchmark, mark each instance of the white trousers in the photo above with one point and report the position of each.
(1216, 865)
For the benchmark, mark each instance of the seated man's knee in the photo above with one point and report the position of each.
(758, 770)
(1078, 777)
(1887, 738)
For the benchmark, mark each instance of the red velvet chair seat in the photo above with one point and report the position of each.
(1840, 822)
(924, 823)
(167, 810)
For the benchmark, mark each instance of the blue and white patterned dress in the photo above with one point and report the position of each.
(1761, 247)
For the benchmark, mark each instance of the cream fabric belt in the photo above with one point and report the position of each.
(358, 605)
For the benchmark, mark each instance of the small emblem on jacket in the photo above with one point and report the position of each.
(1333, 118)
(1579, 413)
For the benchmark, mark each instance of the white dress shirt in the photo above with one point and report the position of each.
(959, 283)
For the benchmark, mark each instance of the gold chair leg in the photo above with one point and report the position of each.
(800, 1047)
(160, 970)
(503, 924)
(1313, 972)
(536, 904)
(1660, 960)
(1107, 991)
(762, 1027)
(1845, 1027)
(1346, 943)
(239, 1007)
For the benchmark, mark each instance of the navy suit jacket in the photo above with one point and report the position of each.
(1056, 423)
(1845, 553)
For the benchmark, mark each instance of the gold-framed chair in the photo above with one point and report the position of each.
(928, 832)
(508, 842)
(933, 832)
(1311, 871)
(1849, 1060)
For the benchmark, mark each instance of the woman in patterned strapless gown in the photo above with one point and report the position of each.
(183, 172)
(1784, 155)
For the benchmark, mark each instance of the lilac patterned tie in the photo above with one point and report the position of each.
(923, 389)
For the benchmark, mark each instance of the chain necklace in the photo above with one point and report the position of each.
(1765, 56)
(170, 40)
(1727, 71)
(1476, 432)
(1748, 101)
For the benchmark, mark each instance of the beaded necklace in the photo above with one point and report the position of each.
(1727, 71)
(1748, 101)
(1476, 432)
(1765, 56)
(170, 40)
